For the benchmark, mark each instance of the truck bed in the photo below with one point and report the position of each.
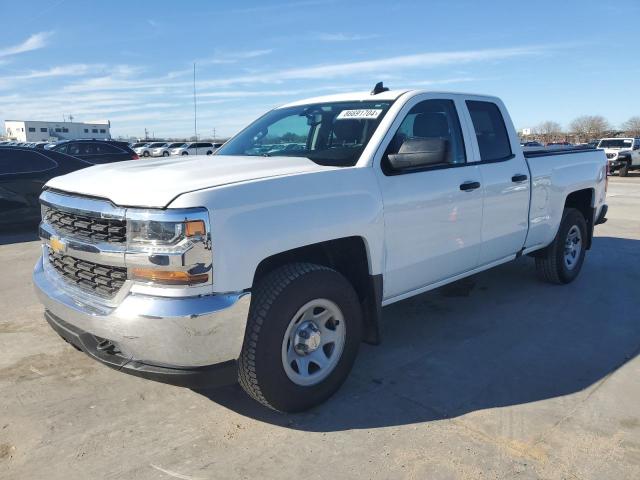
(553, 174)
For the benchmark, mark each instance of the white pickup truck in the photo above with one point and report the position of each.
(273, 268)
(623, 154)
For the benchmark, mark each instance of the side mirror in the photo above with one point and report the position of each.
(419, 152)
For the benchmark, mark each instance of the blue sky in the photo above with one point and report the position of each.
(132, 62)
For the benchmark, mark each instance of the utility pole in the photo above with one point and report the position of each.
(146, 134)
(70, 118)
(214, 134)
(195, 106)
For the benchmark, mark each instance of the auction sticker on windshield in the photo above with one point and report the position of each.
(358, 114)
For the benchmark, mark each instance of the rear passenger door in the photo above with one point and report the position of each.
(505, 178)
(433, 213)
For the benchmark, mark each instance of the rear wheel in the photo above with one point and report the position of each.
(561, 261)
(165, 154)
(185, 153)
(145, 154)
(302, 337)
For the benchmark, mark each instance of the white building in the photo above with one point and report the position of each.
(36, 131)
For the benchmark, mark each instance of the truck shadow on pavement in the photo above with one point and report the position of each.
(496, 339)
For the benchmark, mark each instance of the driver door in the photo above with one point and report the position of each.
(433, 213)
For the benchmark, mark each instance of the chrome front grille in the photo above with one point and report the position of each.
(101, 280)
(85, 227)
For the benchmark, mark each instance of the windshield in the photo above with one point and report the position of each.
(176, 145)
(157, 145)
(326, 133)
(139, 144)
(616, 143)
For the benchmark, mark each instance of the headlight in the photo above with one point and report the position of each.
(169, 247)
(153, 232)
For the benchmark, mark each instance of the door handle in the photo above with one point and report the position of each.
(519, 178)
(468, 186)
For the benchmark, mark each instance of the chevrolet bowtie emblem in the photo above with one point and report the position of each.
(57, 245)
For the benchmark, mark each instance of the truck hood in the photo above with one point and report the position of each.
(156, 182)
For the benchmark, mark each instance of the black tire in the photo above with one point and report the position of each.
(624, 170)
(185, 153)
(550, 264)
(276, 299)
(145, 154)
(209, 152)
(165, 154)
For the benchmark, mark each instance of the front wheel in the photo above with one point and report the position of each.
(303, 333)
(562, 261)
(185, 153)
(624, 170)
(165, 154)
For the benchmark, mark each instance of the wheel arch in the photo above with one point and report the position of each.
(584, 201)
(351, 257)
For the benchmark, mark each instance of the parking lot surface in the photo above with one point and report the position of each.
(496, 376)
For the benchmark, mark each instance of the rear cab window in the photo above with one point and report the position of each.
(490, 129)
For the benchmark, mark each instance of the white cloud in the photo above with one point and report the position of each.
(34, 42)
(384, 66)
(345, 37)
(234, 57)
(72, 70)
(283, 6)
(134, 99)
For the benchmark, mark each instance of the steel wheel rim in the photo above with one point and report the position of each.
(572, 247)
(313, 342)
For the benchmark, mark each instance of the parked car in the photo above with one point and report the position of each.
(195, 148)
(272, 269)
(147, 149)
(623, 154)
(165, 150)
(97, 151)
(23, 173)
(559, 145)
(532, 144)
(138, 145)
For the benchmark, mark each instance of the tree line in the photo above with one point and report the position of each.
(584, 129)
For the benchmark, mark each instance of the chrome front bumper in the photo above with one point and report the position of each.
(177, 332)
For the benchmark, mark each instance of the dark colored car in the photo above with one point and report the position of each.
(23, 173)
(97, 151)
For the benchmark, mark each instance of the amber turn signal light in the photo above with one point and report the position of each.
(168, 277)
(194, 228)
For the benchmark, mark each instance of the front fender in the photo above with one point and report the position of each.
(254, 220)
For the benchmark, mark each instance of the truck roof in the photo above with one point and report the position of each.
(364, 96)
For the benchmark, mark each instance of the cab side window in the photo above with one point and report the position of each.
(431, 134)
(491, 132)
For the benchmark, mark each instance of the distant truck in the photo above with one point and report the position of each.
(272, 268)
(623, 154)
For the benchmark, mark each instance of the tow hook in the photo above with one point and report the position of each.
(107, 347)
